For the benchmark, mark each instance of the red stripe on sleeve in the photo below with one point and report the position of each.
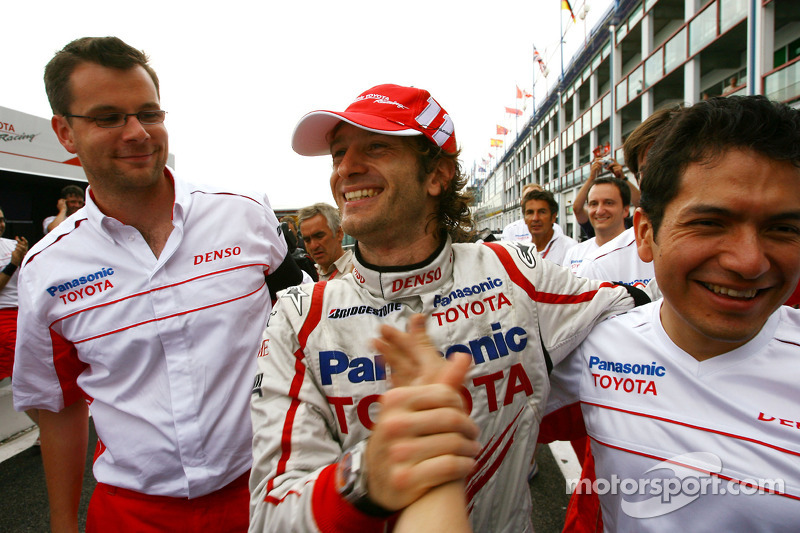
(68, 367)
(543, 297)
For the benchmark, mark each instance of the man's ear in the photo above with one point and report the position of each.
(440, 178)
(64, 132)
(339, 234)
(645, 238)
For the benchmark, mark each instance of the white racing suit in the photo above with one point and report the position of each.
(319, 380)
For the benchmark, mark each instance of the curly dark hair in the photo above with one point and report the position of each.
(453, 214)
(111, 52)
(705, 132)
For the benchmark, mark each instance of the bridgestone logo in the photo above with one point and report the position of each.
(364, 310)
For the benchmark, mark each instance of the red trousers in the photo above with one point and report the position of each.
(125, 511)
(8, 337)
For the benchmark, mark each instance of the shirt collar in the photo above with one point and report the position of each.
(392, 283)
(180, 207)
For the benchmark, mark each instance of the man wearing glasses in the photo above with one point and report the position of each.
(148, 308)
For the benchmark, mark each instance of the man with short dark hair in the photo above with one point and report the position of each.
(601, 167)
(689, 401)
(146, 305)
(517, 231)
(322, 232)
(609, 204)
(621, 263)
(325, 458)
(540, 210)
(72, 199)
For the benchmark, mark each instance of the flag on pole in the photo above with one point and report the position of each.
(514, 111)
(496, 142)
(501, 130)
(490, 155)
(538, 58)
(521, 93)
(565, 5)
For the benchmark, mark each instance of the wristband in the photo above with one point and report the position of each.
(10, 269)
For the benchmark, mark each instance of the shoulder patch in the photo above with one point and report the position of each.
(296, 295)
(525, 253)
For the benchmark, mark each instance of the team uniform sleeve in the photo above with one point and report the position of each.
(45, 365)
(295, 449)
(569, 306)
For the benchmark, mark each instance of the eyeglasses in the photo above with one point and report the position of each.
(117, 120)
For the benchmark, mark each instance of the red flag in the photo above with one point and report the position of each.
(513, 111)
(490, 155)
(519, 92)
(565, 5)
(496, 142)
(501, 130)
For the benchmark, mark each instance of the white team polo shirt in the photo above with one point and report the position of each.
(682, 444)
(163, 349)
(557, 248)
(620, 264)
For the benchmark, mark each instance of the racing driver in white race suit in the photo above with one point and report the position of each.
(316, 398)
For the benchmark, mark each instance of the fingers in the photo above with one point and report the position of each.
(421, 397)
(422, 438)
(413, 359)
(455, 372)
(433, 472)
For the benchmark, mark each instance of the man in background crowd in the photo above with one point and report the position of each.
(609, 204)
(322, 232)
(540, 211)
(600, 167)
(622, 263)
(72, 199)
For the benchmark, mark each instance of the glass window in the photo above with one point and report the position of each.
(635, 83)
(731, 12)
(654, 68)
(794, 49)
(784, 84)
(596, 62)
(622, 31)
(648, 4)
(635, 17)
(606, 50)
(607, 106)
(703, 29)
(597, 114)
(622, 93)
(675, 51)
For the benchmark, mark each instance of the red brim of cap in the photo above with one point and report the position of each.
(311, 135)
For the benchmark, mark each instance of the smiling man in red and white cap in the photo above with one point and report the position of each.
(334, 449)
